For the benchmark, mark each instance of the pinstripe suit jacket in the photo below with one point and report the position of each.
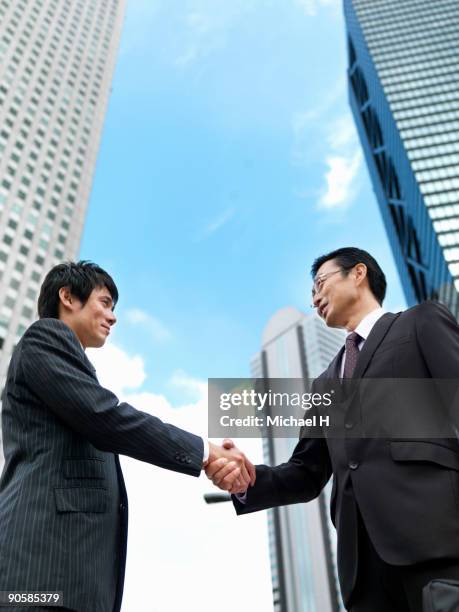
(63, 503)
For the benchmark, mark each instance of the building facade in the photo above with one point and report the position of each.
(302, 540)
(403, 89)
(56, 64)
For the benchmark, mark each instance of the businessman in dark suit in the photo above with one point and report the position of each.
(395, 503)
(63, 503)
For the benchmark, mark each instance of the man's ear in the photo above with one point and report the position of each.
(67, 300)
(360, 271)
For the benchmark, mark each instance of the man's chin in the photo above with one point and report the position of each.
(330, 320)
(98, 342)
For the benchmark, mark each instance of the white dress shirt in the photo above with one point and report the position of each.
(363, 329)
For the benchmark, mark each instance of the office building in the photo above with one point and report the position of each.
(403, 89)
(302, 540)
(56, 65)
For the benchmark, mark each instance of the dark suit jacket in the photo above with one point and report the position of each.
(63, 503)
(407, 491)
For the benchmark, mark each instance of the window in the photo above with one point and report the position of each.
(27, 312)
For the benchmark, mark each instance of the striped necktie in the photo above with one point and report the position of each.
(352, 354)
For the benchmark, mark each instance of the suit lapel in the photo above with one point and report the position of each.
(85, 358)
(89, 365)
(334, 369)
(375, 338)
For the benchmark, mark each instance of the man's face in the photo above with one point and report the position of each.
(336, 294)
(92, 321)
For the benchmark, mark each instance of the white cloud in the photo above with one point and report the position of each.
(208, 25)
(312, 7)
(182, 553)
(309, 128)
(116, 370)
(191, 386)
(187, 57)
(340, 179)
(342, 133)
(216, 224)
(303, 120)
(154, 326)
(343, 164)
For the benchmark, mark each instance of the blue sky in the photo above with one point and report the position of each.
(229, 161)
(210, 196)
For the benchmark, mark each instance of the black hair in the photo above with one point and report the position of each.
(81, 278)
(348, 257)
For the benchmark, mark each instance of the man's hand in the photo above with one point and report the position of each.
(229, 469)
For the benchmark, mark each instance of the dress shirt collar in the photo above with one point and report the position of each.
(367, 323)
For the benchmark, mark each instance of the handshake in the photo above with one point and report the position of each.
(228, 468)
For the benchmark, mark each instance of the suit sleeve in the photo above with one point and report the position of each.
(438, 337)
(55, 371)
(300, 479)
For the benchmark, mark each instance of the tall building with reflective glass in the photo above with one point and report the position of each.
(403, 79)
(302, 540)
(56, 65)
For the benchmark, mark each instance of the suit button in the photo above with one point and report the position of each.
(122, 507)
(349, 425)
(353, 465)
(177, 456)
(188, 459)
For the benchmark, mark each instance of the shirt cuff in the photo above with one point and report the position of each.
(206, 452)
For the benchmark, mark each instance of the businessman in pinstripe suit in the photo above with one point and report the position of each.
(63, 503)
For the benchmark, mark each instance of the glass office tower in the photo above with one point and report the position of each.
(403, 79)
(302, 540)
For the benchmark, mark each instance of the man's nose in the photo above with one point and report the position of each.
(316, 300)
(112, 319)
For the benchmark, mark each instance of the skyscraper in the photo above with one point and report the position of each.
(302, 541)
(403, 91)
(56, 65)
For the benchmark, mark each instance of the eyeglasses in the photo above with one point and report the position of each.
(320, 280)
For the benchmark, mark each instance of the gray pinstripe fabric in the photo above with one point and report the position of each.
(63, 504)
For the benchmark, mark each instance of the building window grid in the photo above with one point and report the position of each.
(437, 199)
(411, 89)
(394, 42)
(446, 225)
(368, 7)
(424, 110)
(40, 144)
(431, 163)
(433, 187)
(427, 152)
(441, 138)
(411, 27)
(431, 129)
(419, 56)
(371, 12)
(410, 67)
(425, 48)
(419, 76)
(449, 240)
(437, 174)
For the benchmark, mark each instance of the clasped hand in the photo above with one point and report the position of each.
(229, 469)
